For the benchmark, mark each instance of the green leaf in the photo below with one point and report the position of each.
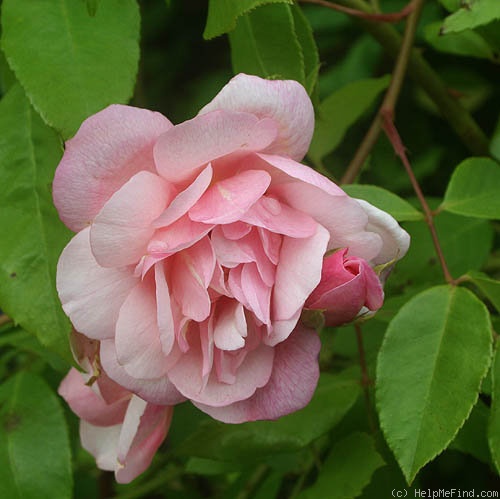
(436, 352)
(347, 469)
(33, 236)
(400, 209)
(70, 64)
(467, 42)
(473, 13)
(265, 43)
(222, 14)
(92, 7)
(35, 460)
(474, 189)
(494, 421)
(341, 110)
(490, 287)
(334, 396)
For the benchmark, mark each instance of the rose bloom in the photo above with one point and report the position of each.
(199, 245)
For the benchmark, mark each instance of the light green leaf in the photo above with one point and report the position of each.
(347, 469)
(223, 14)
(473, 13)
(341, 110)
(400, 209)
(495, 142)
(494, 421)
(33, 236)
(71, 64)
(246, 442)
(436, 352)
(265, 43)
(490, 287)
(92, 7)
(474, 189)
(451, 5)
(35, 460)
(467, 42)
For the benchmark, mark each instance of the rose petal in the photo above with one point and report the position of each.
(94, 311)
(108, 149)
(121, 231)
(285, 101)
(231, 326)
(183, 149)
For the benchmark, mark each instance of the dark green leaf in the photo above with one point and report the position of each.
(35, 461)
(490, 287)
(265, 43)
(494, 422)
(71, 64)
(341, 110)
(347, 469)
(223, 14)
(334, 396)
(400, 209)
(435, 354)
(474, 189)
(33, 235)
(472, 14)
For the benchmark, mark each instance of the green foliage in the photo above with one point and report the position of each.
(275, 41)
(347, 469)
(72, 64)
(490, 287)
(223, 14)
(341, 110)
(33, 236)
(473, 189)
(494, 421)
(472, 14)
(35, 459)
(436, 352)
(400, 209)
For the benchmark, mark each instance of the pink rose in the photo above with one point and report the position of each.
(198, 245)
(121, 431)
(348, 285)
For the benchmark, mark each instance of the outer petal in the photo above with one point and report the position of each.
(157, 391)
(290, 388)
(121, 231)
(87, 404)
(107, 150)
(102, 443)
(93, 312)
(180, 152)
(286, 102)
(395, 240)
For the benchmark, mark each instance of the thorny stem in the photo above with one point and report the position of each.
(392, 17)
(365, 378)
(4, 319)
(393, 135)
(391, 96)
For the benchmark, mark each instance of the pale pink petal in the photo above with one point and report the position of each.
(271, 244)
(94, 311)
(230, 198)
(192, 271)
(157, 391)
(253, 373)
(281, 329)
(290, 388)
(235, 287)
(102, 443)
(230, 253)
(274, 216)
(236, 230)
(257, 294)
(108, 149)
(285, 101)
(87, 404)
(164, 317)
(135, 411)
(121, 231)
(298, 272)
(137, 338)
(185, 199)
(184, 149)
(151, 433)
(178, 236)
(395, 240)
(231, 326)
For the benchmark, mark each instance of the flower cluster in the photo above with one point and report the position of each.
(198, 247)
